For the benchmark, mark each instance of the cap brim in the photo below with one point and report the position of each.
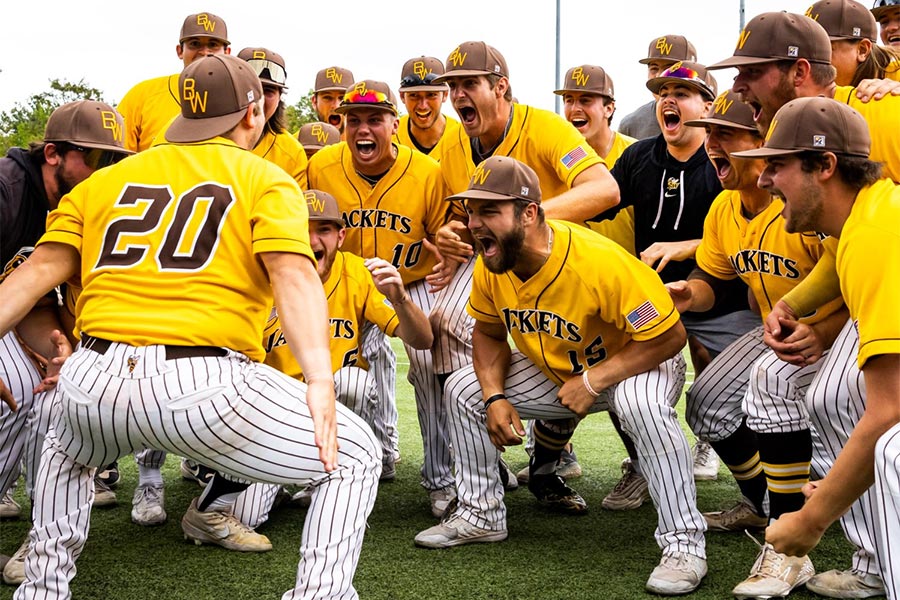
(765, 152)
(184, 130)
(212, 37)
(722, 122)
(425, 88)
(482, 195)
(345, 108)
(325, 219)
(582, 91)
(462, 73)
(648, 60)
(740, 61)
(95, 145)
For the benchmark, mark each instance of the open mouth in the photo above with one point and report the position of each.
(757, 110)
(894, 39)
(334, 119)
(423, 115)
(579, 123)
(487, 244)
(319, 254)
(671, 119)
(467, 114)
(723, 166)
(365, 148)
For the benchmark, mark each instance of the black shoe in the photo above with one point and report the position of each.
(109, 475)
(193, 471)
(551, 491)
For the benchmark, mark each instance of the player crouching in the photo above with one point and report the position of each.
(584, 344)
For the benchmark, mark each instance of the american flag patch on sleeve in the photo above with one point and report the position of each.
(570, 159)
(642, 315)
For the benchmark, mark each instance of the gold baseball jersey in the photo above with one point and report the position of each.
(390, 219)
(570, 316)
(868, 260)
(768, 259)
(192, 233)
(285, 151)
(543, 140)
(451, 131)
(353, 299)
(883, 117)
(147, 109)
(620, 229)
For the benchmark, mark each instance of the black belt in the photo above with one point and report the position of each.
(100, 346)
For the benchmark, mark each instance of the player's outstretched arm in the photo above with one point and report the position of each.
(301, 305)
(414, 327)
(660, 253)
(593, 191)
(491, 356)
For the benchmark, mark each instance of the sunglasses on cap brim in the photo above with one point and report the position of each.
(414, 80)
(268, 70)
(355, 96)
(885, 3)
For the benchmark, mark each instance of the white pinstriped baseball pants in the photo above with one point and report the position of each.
(237, 416)
(887, 500)
(16, 438)
(376, 349)
(644, 403)
(452, 324)
(837, 400)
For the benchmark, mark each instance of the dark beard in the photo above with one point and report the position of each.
(510, 247)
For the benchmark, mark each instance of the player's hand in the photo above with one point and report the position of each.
(779, 323)
(7, 397)
(875, 89)
(793, 534)
(809, 489)
(443, 271)
(450, 242)
(387, 278)
(681, 295)
(802, 347)
(62, 350)
(660, 253)
(503, 425)
(574, 396)
(320, 400)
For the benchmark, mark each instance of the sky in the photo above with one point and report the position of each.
(112, 46)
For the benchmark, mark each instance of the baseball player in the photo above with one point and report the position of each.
(817, 160)
(80, 137)
(357, 291)
(583, 344)
(373, 180)
(149, 106)
(887, 13)
(315, 136)
(749, 403)
(424, 126)
(331, 83)
(662, 53)
(784, 56)
(201, 392)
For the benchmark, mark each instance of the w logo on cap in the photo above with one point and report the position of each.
(771, 129)
(360, 88)
(457, 58)
(189, 95)
(419, 69)
(742, 39)
(722, 104)
(334, 75)
(204, 21)
(479, 177)
(109, 121)
(580, 77)
(315, 204)
(319, 133)
(663, 46)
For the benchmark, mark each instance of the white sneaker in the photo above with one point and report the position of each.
(774, 575)
(846, 584)
(677, 573)
(630, 492)
(706, 462)
(9, 508)
(441, 499)
(148, 505)
(103, 494)
(454, 531)
(14, 571)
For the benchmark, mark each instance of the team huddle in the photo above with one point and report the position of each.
(183, 275)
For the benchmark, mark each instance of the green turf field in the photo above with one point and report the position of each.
(602, 555)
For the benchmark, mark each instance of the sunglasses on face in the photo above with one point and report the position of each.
(276, 73)
(414, 80)
(96, 158)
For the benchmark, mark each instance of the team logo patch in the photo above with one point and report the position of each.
(793, 51)
(642, 315)
(573, 156)
(818, 141)
(857, 32)
(20, 257)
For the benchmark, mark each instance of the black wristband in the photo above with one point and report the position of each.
(493, 399)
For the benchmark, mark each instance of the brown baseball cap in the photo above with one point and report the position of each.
(89, 124)
(775, 36)
(215, 91)
(728, 111)
(333, 79)
(590, 79)
(472, 59)
(691, 74)
(844, 19)
(316, 136)
(882, 6)
(818, 124)
(204, 24)
(670, 47)
(502, 178)
(323, 207)
(368, 94)
(419, 74)
(268, 66)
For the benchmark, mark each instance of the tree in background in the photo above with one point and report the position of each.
(25, 122)
(301, 113)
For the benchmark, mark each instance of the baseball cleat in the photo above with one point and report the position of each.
(441, 499)
(774, 575)
(148, 505)
(103, 495)
(9, 508)
(706, 462)
(846, 584)
(677, 573)
(454, 531)
(194, 471)
(740, 517)
(109, 475)
(222, 529)
(552, 492)
(14, 570)
(568, 467)
(388, 472)
(630, 492)
(507, 477)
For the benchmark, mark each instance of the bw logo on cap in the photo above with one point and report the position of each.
(323, 207)
(588, 79)
(472, 59)
(502, 178)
